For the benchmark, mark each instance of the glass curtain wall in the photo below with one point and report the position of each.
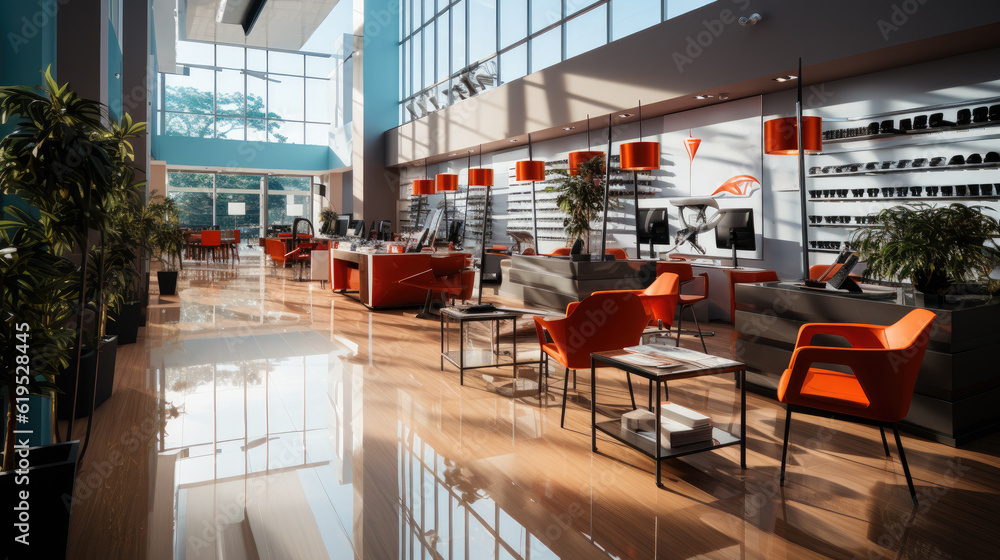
(233, 201)
(238, 93)
(455, 49)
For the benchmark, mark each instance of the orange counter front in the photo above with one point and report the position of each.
(375, 276)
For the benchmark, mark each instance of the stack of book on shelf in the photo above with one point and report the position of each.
(679, 426)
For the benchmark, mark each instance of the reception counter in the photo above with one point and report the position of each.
(374, 276)
(959, 383)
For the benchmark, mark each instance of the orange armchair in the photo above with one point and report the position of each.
(559, 252)
(659, 299)
(446, 276)
(693, 289)
(746, 277)
(884, 361)
(602, 321)
(618, 253)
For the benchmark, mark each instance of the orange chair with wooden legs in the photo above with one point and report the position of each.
(211, 241)
(608, 321)
(692, 290)
(884, 361)
(746, 277)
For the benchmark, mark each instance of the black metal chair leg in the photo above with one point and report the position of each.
(628, 377)
(700, 335)
(885, 444)
(562, 420)
(680, 325)
(906, 469)
(784, 446)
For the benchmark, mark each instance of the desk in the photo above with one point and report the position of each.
(614, 428)
(374, 276)
(465, 359)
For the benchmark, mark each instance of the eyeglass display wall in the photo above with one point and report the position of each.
(936, 154)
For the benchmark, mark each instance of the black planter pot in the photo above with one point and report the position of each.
(89, 368)
(168, 282)
(49, 485)
(125, 323)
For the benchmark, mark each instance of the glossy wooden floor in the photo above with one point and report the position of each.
(258, 417)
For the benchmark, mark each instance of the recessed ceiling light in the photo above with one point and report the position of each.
(785, 78)
(625, 115)
(513, 139)
(569, 127)
(704, 96)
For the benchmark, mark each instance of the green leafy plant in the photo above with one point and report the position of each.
(162, 230)
(581, 197)
(326, 217)
(37, 289)
(932, 246)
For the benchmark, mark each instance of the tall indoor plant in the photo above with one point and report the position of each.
(931, 246)
(581, 197)
(161, 224)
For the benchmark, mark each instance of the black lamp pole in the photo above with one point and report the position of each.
(607, 186)
(802, 179)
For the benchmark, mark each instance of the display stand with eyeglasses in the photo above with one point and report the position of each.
(940, 154)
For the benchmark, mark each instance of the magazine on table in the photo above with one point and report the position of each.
(681, 354)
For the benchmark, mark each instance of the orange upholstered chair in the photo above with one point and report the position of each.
(619, 254)
(884, 362)
(693, 289)
(659, 299)
(602, 321)
(559, 252)
(445, 276)
(746, 277)
(211, 241)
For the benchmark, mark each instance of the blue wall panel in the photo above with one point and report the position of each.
(211, 152)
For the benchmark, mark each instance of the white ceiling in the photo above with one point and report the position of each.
(283, 24)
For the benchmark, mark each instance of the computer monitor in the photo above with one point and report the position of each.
(385, 230)
(275, 229)
(358, 228)
(653, 227)
(735, 231)
(342, 226)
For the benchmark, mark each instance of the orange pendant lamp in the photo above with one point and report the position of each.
(423, 186)
(640, 156)
(530, 169)
(781, 136)
(446, 182)
(576, 158)
(479, 176)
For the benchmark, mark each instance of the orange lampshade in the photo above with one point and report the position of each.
(480, 177)
(782, 138)
(530, 170)
(576, 158)
(447, 182)
(423, 186)
(640, 156)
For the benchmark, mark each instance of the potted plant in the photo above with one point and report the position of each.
(327, 217)
(37, 292)
(166, 240)
(933, 247)
(581, 198)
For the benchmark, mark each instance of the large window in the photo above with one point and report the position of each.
(239, 93)
(454, 49)
(233, 201)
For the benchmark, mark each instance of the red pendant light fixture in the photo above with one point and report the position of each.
(480, 176)
(781, 136)
(530, 169)
(640, 156)
(576, 158)
(446, 182)
(796, 136)
(423, 186)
